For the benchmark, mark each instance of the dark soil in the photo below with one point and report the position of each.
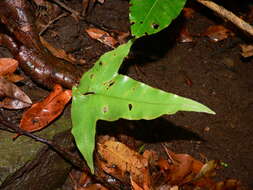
(214, 74)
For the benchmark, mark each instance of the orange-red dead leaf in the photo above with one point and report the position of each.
(135, 186)
(102, 36)
(217, 33)
(42, 113)
(60, 53)
(181, 168)
(7, 66)
(127, 161)
(247, 50)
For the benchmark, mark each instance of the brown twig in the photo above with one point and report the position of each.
(58, 148)
(228, 15)
(66, 154)
(77, 15)
(51, 22)
(72, 11)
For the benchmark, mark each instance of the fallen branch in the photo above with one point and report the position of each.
(66, 154)
(77, 162)
(228, 15)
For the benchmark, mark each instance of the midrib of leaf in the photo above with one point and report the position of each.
(126, 99)
(147, 16)
(150, 103)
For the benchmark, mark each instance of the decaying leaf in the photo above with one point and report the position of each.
(185, 36)
(40, 2)
(60, 53)
(247, 50)
(102, 36)
(7, 66)
(207, 169)
(135, 186)
(95, 186)
(179, 168)
(14, 78)
(14, 97)
(229, 184)
(10, 90)
(42, 113)
(217, 33)
(127, 161)
(11, 103)
(188, 12)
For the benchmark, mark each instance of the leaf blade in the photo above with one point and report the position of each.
(151, 16)
(84, 126)
(105, 68)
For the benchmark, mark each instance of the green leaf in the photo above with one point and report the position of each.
(106, 95)
(151, 16)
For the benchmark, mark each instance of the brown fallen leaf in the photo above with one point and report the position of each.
(182, 169)
(135, 186)
(42, 113)
(102, 36)
(8, 89)
(207, 169)
(95, 186)
(229, 184)
(60, 53)
(11, 103)
(247, 50)
(7, 66)
(188, 12)
(217, 33)
(14, 78)
(120, 36)
(185, 36)
(40, 2)
(127, 161)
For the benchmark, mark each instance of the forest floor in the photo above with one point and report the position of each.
(213, 73)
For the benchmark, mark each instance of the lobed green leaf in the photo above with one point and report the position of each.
(106, 95)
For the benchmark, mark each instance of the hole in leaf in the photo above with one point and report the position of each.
(132, 23)
(105, 109)
(141, 22)
(88, 93)
(155, 26)
(130, 106)
(111, 83)
(101, 63)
